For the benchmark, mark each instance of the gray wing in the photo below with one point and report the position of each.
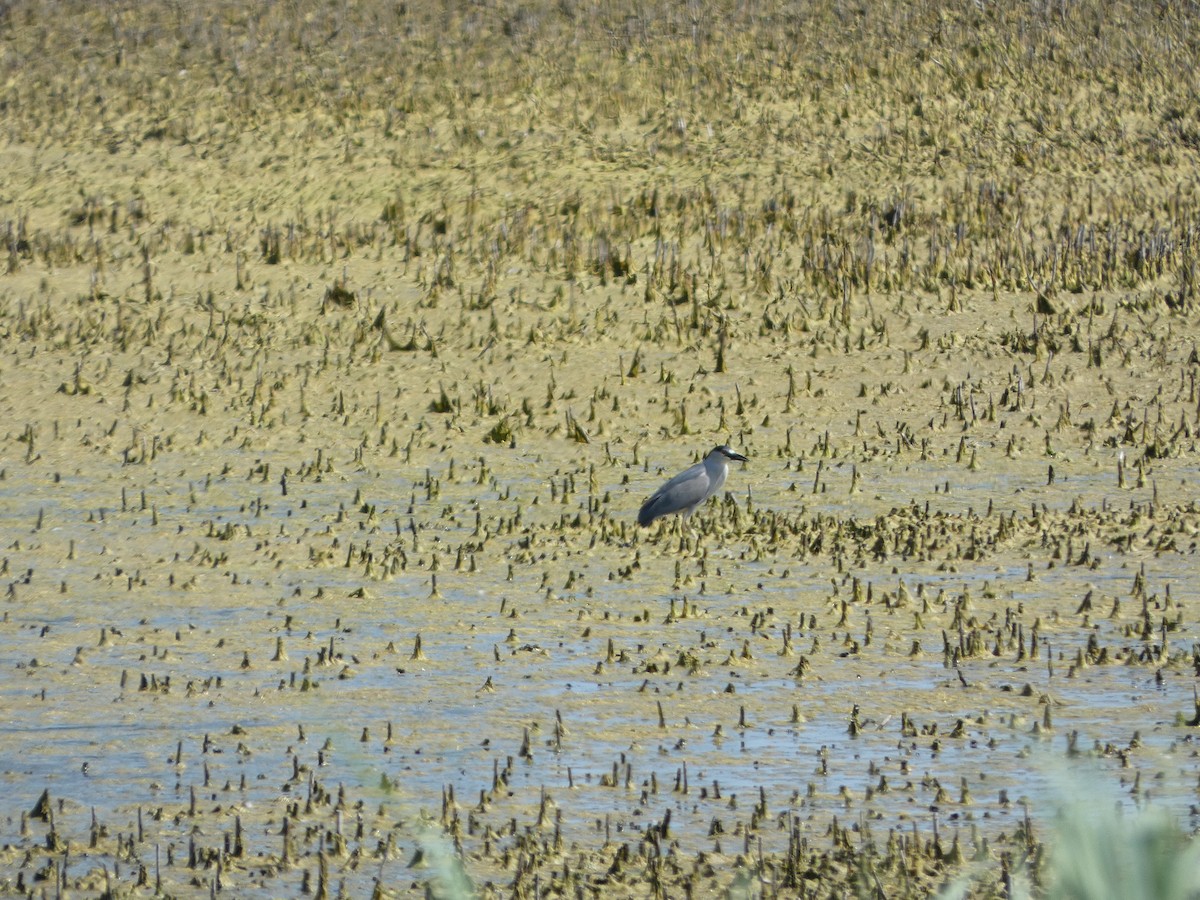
(686, 490)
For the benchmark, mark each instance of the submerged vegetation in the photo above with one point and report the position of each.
(341, 343)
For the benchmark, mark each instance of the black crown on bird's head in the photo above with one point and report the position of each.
(727, 451)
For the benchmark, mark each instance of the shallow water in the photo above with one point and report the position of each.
(502, 657)
(472, 284)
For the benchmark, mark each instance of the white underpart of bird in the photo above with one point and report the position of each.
(690, 488)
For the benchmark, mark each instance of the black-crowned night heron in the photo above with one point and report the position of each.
(691, 487)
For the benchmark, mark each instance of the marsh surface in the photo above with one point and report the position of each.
(341, 346)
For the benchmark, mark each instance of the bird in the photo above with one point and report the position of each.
(686, 491)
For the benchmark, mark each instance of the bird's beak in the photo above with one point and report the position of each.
(737, 456)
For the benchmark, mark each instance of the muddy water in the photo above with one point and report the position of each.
(324, 436)
(141, 638)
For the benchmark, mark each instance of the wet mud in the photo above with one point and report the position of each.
(342, 344)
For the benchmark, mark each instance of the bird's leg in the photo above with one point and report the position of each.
(686, 532)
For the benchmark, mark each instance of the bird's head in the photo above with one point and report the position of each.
(728, 452)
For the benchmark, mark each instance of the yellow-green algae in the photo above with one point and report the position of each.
(342, 342)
